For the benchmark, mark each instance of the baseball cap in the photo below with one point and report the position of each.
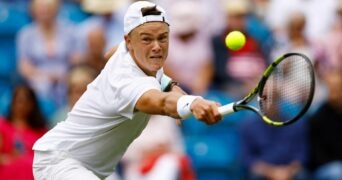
(134, 16)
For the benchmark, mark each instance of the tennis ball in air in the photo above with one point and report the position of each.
(235, 40)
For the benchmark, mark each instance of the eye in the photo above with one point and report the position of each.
(146, 40)
(163, 39)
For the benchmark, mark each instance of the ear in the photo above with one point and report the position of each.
(128, 42)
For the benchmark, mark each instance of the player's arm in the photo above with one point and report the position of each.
(178, 105)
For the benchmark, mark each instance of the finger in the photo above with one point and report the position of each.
(209, 117)
(215, 115)
(201, 115)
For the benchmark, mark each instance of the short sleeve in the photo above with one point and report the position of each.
(23, 40)
(129, 90)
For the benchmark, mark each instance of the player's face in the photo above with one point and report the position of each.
(149, 45)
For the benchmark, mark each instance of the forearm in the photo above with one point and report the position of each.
(169, 106)
(162, 103)
(178, 105)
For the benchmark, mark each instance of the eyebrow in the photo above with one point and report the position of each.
(149, 34)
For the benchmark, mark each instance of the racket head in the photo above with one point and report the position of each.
(286, 89)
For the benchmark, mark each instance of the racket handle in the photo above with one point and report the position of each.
(226, 109)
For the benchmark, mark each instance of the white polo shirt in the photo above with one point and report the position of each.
(103, 123)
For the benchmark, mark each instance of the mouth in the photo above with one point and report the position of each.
(156, 57)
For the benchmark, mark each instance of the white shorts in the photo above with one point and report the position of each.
(48, 165)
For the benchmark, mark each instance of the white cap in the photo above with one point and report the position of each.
(134, 17)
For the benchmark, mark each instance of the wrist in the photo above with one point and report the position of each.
(184, 105)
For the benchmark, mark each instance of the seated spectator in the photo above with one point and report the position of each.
(269, 152)
(332, 43)
(325, 132)
(231, 74)
(94, 56)
(190, 56)
(78, 80)
(18, 132)
(45, 51)
(294, 39)
(157, 153)
(105, 15)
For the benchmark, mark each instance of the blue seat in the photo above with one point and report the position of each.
(212, 174)
(47, 106)
(7, 59)
(212, 155)
(5, 98)
(212, 151)
(12, 19)
(72, 12)
(192, 126)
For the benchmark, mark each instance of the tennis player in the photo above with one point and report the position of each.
(117, 105)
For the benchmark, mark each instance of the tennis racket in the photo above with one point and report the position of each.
(283, 94)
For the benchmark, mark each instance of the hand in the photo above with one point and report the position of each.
(206, 111)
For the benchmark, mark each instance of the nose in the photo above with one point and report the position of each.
(156, 46)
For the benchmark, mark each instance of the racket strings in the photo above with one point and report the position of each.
(287, 91)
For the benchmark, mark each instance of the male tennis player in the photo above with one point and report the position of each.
(117, 105)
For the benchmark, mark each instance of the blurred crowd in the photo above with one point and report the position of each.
(51, 49)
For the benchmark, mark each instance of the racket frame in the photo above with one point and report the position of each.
(258, 90)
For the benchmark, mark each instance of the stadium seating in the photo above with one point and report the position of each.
(214, 149)
(72, 12)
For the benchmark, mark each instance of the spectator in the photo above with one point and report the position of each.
(190, 56)
(332, 44)
(18, 132)
(45, 50)
(294, 39)
(94, 56)
(274, 153)
(231, 73)
(158, 153)
(260, 8)
(319, 15)
(78, 79)
(325, 132)
(105, 15)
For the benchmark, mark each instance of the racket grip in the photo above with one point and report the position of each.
(226, 109)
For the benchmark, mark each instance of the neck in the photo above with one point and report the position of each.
(47, 28)
(19, 122)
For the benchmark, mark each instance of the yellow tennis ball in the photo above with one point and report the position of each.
(235, 40)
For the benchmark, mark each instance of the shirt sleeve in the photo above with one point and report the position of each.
(23, 40)
(130, 90)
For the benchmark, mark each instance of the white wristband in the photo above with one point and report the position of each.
(184, 104)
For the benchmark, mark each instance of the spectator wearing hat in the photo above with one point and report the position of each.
(236, 71)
